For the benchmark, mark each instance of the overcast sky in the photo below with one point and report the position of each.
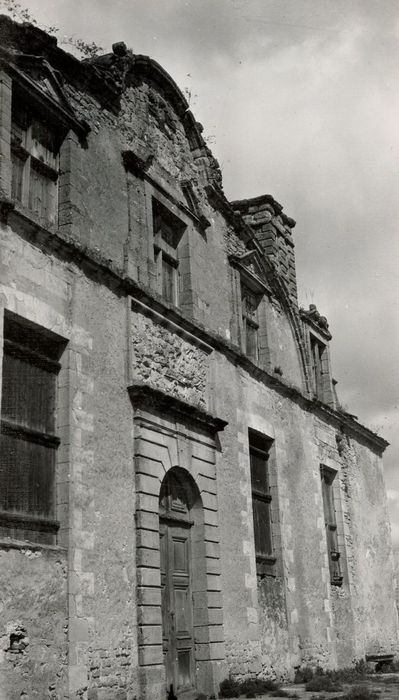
(299, 99)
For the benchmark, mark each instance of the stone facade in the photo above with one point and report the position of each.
(179, 345)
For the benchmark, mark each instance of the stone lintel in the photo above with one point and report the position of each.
(144, 395)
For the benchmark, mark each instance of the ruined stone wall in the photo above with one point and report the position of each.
(163, 360)
(297, 617)
(255, 624)
(34, 613)
(97, 619)
(369, 551)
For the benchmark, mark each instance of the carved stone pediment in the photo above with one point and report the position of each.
(314, 319)
(252, 271)
(34, 76)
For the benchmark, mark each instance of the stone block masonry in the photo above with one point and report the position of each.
(194, 418)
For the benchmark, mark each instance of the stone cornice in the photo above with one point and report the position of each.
(245, 204)
(177, 328)
(96, 266)
(256, 283)
(143, 395)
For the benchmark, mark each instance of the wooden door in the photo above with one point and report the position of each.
(177, 618)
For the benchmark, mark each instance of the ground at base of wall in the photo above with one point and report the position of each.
(383, 687)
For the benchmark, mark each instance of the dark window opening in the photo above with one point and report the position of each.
(28, 440)
(327, 480)
(259, 455)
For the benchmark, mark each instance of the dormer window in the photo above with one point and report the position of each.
(168, 231)
(319, 367)
(250, 324)
(35, 148)
(251, 286)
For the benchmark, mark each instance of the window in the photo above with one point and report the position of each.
(28, 443)
(168, 230)
(318, 365)
(259, 453)
(327, 481)
(250, 322)
(34, 161)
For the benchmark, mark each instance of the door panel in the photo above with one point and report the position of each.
(177, 618)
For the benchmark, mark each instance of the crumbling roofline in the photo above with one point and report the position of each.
(243, 205)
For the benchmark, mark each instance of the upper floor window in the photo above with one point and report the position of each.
(168, 231)
(35, 148)
(259, 454)
(319, 366)
(327, 483)
(250, 322)
(28, 440)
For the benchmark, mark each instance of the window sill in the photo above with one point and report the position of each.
(9, 543)
(10, 207)
(266, 566)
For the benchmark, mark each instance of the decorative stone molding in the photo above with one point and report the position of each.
(144, 395)
(319, 323)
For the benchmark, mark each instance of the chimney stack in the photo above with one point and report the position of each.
(273, 230)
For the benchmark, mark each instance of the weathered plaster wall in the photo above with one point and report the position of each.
(96, 489)
(283, 352)
(122, 232)
(296, 617)
(33, 604)
(107, 637)
(370, 560)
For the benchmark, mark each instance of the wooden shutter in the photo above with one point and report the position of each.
(28, 443)
(327, 479)
(261, 499)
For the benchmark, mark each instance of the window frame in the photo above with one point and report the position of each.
(328, 477)
(318, 351)
(246, 277)
(166, 248)
(250, 321)
(26, 524)
(31, 155)
(261, 446)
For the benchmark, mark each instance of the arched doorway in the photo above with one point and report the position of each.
(180, 516)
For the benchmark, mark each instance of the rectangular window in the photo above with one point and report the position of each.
(169, 279)
(250, 322)
(318, 358)
(168, 230)
(28, 441)
(259, 453)
(327, 481)
(34, 161)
